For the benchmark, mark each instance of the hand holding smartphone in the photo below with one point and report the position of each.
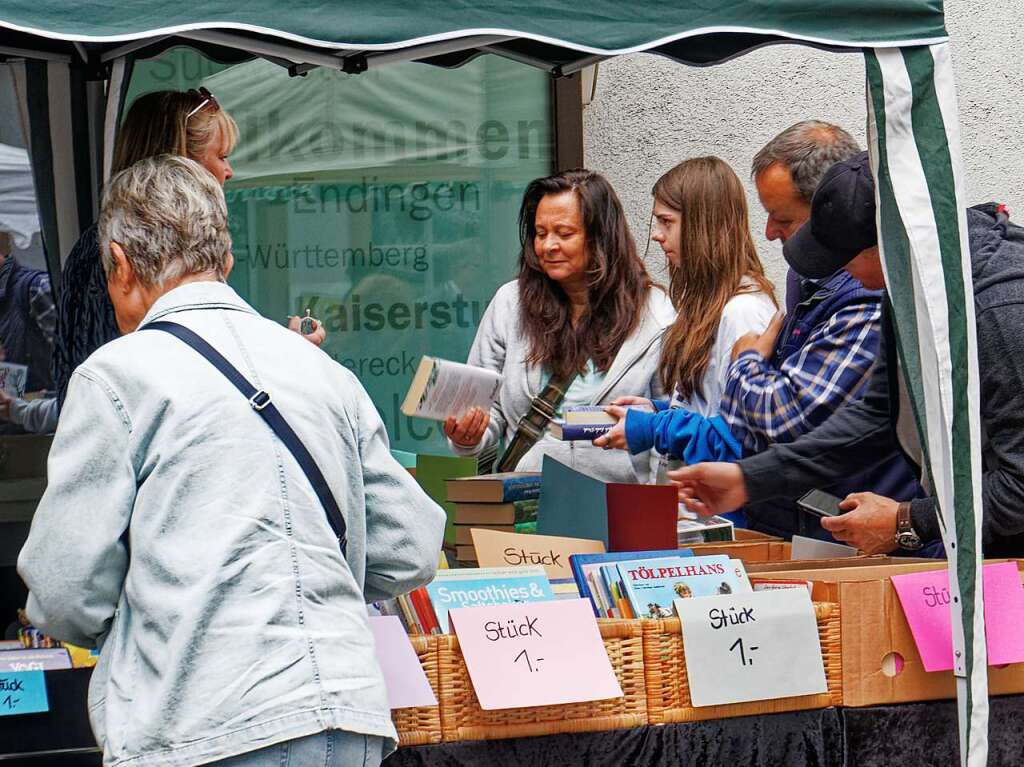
(820, 504)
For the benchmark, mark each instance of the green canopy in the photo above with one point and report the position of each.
(553, 32)
(73, 61)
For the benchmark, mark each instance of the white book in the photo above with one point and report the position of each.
(442, 388)
(13, 378)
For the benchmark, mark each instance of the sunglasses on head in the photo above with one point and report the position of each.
(208, 102)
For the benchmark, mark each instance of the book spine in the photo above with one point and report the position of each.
(526, 528)
(580, 431)
(425, 611)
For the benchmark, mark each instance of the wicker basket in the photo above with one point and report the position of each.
(419, 726)
(463, 719)
(668, 691)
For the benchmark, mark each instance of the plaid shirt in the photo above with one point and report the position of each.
(764, 404)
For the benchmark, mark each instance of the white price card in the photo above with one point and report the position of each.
(756, 646)
(534, 654)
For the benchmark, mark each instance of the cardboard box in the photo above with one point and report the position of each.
(875, 632)
(748, 552)
(745, 534)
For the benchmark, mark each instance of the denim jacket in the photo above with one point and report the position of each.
(178, 535)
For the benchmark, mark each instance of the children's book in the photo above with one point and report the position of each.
(583, 565)
(442, 388)
(652, 585)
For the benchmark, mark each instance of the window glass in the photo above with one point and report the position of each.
(27, 313)
(384, 203)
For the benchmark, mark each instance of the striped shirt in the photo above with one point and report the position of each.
(766, 403)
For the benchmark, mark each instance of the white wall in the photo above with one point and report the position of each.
(650, 113)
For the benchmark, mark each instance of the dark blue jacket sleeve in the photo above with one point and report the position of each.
(682, 434)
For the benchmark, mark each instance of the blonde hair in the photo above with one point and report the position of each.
(158, 123)
(717, 260)
(169, 216)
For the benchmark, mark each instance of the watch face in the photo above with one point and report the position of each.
(908, 541)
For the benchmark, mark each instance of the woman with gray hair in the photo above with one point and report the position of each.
(196, 543)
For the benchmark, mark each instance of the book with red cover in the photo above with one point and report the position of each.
(626, 517)
(425, 611)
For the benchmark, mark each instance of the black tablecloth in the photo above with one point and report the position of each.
(906, 735)
(909, 735)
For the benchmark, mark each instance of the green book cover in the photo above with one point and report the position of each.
(431, 473)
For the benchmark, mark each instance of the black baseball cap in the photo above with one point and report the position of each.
(842, 221)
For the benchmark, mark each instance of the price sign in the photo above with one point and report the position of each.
(23, 692)
(403, 675)
(535, 654)
(752, 646)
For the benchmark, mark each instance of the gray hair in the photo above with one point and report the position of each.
(807, 150)
(169, 216)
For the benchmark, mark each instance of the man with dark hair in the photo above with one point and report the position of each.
(842, 233)
(782, 387)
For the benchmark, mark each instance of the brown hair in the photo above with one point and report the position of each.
(158, 123)
(617, 280)
(717, 260)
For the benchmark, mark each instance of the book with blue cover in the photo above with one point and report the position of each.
(584, 564)
(586, 422)
(470, 587)
(652, 585)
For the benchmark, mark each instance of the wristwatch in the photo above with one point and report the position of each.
(906, 536)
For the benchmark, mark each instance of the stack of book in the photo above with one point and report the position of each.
(506, 502)
(425, 610)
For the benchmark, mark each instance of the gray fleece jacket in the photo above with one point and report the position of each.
(501, 345)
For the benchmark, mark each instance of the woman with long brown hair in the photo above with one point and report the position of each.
(583, 316)
(718, 286)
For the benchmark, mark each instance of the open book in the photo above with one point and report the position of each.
(443, 388)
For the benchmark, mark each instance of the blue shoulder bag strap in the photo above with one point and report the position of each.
(262, 404)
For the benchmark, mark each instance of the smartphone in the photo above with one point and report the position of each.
(820, 504)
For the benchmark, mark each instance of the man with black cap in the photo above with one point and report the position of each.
(841, 233)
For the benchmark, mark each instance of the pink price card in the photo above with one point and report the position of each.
(403, 675)
(534, 654)
(925, 599)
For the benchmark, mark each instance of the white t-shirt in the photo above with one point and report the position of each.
(744, 313)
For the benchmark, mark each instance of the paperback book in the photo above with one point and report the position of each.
(652, 585)
(442, 388)
(486, 586)
(13, 378)
(512, 513)
(495, 488)
(586, 422)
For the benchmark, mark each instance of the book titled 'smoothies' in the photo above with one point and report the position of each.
(442, 388)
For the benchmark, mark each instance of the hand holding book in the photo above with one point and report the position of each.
(468, 430)
(615, 437)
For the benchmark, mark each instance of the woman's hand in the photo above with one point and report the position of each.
(616, 436)
(318, 335)
(468, 430)
(622, 401)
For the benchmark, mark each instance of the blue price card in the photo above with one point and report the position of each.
(23, 692)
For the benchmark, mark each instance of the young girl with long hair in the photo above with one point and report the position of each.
(719, 289)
